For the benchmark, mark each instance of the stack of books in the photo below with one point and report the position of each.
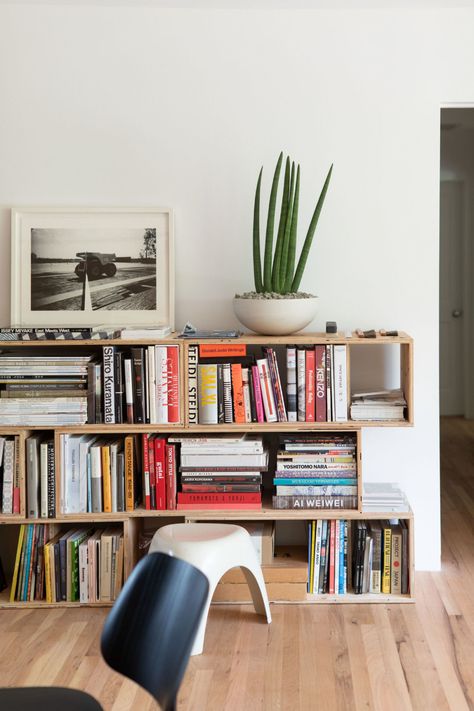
(221, 472)
(43, 390)
(251, 388)
(383, 496)
(10, 475)
(358, 557)
(81, 564)
(383, 405)
(318, 471)
(66, 333)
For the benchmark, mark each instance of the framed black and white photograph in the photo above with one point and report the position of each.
(92, 266)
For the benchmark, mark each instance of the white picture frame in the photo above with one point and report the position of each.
(92, 266)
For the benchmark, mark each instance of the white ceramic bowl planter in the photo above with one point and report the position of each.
(275, 317)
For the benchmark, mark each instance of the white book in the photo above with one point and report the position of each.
(227, 382)
(340, 382)
(127, 372)
(44, 479)
(267, 390)
(317, 555)
(161, 380)
(246, 394)
(33, 476)
(71, 468)
(8, 474)
(114, 473)
(96, 478)
(109, 384)
(225, 460)
(151, 384)
(2, 445)
(301, 383)
(83, 495)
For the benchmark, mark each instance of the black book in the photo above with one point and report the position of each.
(253, 409)
(51, 482)
(405, 583)
(138, 363)
(220, 393)
(119, 387)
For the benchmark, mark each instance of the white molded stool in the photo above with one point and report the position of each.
(214, 548)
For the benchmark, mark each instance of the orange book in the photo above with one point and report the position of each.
(106, 480)
(238, 393)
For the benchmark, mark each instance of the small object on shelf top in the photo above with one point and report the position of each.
(366, 334)
(331, 327)
(388, 333)
(190, 331)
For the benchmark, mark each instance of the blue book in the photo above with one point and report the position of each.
(29, 544)
(321, 481)
(342, 528)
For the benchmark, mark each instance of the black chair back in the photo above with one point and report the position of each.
(149, 633)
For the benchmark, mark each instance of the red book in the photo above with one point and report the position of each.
(332, 556)
(320, 383)
(244, 498)
(146, 470)
(151, 469)
(171, 476)
(173, 383)
(238, 393)
(310, 360)
(257, 394)
(160, 467)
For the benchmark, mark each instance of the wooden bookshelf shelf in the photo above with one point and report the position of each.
(287, 575)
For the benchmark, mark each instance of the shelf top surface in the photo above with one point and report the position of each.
(248, 338)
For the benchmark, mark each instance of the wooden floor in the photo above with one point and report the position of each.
(323, 657)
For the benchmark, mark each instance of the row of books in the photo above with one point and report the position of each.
(58, 384)
(358, 557)
(10, 474)
(82, 564)
(80, 333)
(317, 471)
(109, 474)
(315, 388)
(140, 385)
(221, 472)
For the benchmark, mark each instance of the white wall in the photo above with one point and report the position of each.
(140, 106)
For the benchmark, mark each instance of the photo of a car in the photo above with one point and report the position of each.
(97, 264)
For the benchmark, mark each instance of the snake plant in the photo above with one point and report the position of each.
(280, 275)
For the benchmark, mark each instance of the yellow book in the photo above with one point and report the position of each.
(387, 549)
(129, 474)
(106, 481)
(17, 562)
(47, 573)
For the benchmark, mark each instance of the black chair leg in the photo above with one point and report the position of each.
(171, 706)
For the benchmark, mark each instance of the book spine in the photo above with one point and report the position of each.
(342, 527)
(138, 361)
(119, 386)
(310, 382)
(238, 394)
(129, 473)
(96, 479)
(276, 384)
(328, 384)
(405, 582)
(98, 392)
(266, 390)
(120, 481)
(315, 502)
(322, 567)
(91, 394)
(192, 385)
(160, 469)
(301, 383)
(152, 470)
(318, 490)
(246, 394)
(51, 481)
(257, 392)
(317, 557)
(212, 498)
(253, 409)
(17, 476)
(146, 471)
(227, 381)
(220, 393)
(396, 563)
(161, 379)
(375, 579)
(340, 382)
(332, 556)
(171, 477)
(309, 481)
(151, 387)
(320, 366)
(32, 473)
(387, 566)
(291, 388)
(8, 475)
(173, 384)
(108, 353)
(44, 479)
(207, 393)
(106, 479)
